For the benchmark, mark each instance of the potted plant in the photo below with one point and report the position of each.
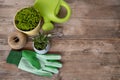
(41, 43)
(27, 20)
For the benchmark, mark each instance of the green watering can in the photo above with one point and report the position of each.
(49, 9)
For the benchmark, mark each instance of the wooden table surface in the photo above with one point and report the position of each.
(89, 42)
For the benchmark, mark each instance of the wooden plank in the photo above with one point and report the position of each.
(16, 2)
(89, 42)
(6, 20)
(94, 46)
(95, 9)
(99, 22)
(100, 9)
(9, 12)
(96, 12)
(6, 29)
(84, 29)
(76, 76)
(102, 68)
(91, 28)
(70, 69)
(82, 10)
(94, 2)
(89, 51)
(86, 68)
(4, 47)
(3, 55)
(102, 58)
(98, 73)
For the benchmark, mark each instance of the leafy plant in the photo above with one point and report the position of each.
(27, 19)
(41, 41)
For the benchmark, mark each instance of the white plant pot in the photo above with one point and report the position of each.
(44, 51)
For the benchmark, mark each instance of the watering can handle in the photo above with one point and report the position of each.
(60, 20)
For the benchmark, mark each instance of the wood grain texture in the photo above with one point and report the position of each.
(89, 42)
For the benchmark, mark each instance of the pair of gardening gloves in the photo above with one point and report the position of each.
(42, 65)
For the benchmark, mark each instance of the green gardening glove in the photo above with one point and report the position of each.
(42, 65)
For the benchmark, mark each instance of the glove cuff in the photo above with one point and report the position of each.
(14, 57)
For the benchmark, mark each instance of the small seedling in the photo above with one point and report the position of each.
(41, 41)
